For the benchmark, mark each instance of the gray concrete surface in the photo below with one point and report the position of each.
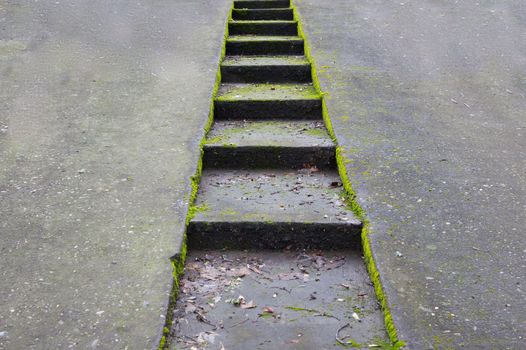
(293, 300)
(102, 109)
(428, 99)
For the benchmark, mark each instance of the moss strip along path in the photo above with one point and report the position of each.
(270, 180)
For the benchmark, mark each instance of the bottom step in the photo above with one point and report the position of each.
(276, 300)
(272, 208)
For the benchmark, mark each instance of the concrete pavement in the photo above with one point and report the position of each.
(102, 109)
(428, 100)
(103, 106)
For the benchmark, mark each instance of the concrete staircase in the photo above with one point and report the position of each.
(270, 204)
(269, 171)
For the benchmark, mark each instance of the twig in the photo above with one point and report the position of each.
(327, 315)
(340, 341)
(283, 288)
(239, 323)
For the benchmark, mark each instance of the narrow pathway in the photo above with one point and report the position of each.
(270, 185)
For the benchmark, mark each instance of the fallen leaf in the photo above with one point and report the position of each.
(289, 276)
(254, 269)
(241, 272)
(249, 305)
(189, 308)
(268, 310)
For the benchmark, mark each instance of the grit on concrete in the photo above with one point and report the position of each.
(277, 300)
(428, 100)
(102, 108)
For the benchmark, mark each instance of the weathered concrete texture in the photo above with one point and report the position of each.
(287, 133)
(272, 208)
(271, 144)
(103, 105)
(291, 300)
(428, 99)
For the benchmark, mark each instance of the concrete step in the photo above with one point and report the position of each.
(284, 14)
(267, 101)
(310, 295)
(269, 144)
(266, 69)
(270, 208)
(264, 45)
(288, 28)
(259, 4)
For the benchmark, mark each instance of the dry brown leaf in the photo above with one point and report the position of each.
(268, 310)
(249, 305)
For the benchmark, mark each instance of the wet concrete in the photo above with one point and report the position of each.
(276, 300)
(428, 100)
(102, 109)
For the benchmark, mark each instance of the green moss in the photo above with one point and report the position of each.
(162, 343)
(228, 211)
(295, 308)
(351, 343)
(350, 198)
(193, 210)
(229, 145)
(316, 132)
(216, 139)
(266, 92)
(177, 270)
(241, 11)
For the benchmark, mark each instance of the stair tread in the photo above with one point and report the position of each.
(269, 195)
(266, 21)
(255, 38)
(266, 92)
(265, 61)
(283, 133)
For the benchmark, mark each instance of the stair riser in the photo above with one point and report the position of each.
(255, 157)
(289, 29)
(269, 235)
(295, 109)
(292, 47)
(261, 4)
(262, 14)
(266, 74)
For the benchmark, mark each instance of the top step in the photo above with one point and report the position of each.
(261, 4)
(283, 14)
